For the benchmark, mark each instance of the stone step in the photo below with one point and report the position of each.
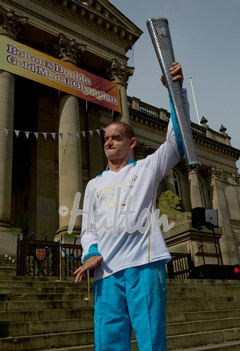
(43, 297)
(202, 315)
(174, 289)
(18, 283)
(199, 292)
(59, 304)
(47, 341)
(41, 315)
(198, 307)
(202, 282)
(64, 325)
(46, 315)
(61, 289)
(44, 327)
(185, 341)
(225, 346)
(78, 295)
(43, 305)
(70, 339)
(6, 260)
(74, 348)
(37, 280)
(8, 286)
(7, 270)
(172, 283)
(43, 290)
(174, 329)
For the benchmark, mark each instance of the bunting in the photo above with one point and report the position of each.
(54, 136)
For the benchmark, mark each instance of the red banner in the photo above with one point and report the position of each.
(35, 65)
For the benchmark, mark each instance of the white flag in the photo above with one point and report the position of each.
(36, 135)
(70, 135)
(98, 131)
(61, 135)
(53, 135)
(91, 132)
(27, 134)
(77, 134)
(17, 132)
(6, 131)
(84, 134)
(45, 135)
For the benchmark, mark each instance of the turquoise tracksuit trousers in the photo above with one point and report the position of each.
(134, 298)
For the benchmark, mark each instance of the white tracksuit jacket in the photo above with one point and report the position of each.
(120, 209)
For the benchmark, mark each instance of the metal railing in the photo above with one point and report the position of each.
(180, 267)
(45, 258)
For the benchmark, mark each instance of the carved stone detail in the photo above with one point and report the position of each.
(10, 23)
(119, 72)
(93, 14)
(68, 50)
(216, 173)
(236, 178)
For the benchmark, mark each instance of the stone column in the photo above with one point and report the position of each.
(70, 162)
(227, 242)
(10, 25)
(119, 73)
(195, 195)
(6, 145)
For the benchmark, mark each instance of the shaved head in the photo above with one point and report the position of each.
(128, 131)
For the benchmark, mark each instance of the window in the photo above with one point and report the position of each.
(177, 184)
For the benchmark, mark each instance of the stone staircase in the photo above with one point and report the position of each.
(45, 314)
(7, 266)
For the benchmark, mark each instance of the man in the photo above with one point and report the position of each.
(122, 240)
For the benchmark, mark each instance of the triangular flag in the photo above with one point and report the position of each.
(98, 131)
(53, 135)
(70, 135)
(36, 135)
(77, 134)
(6, 131)
(91, 132)
(27, 134)
(84, 134)
(45, 135)
(61, 135)
(17, 132)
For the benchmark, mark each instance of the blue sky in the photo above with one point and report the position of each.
(206, 40)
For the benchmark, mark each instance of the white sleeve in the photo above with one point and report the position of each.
(171, 151)
(88, 236)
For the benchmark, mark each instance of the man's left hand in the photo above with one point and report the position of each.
(176, 73)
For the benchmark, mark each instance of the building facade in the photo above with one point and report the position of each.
(51, 141)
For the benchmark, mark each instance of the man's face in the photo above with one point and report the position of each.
(117, 146)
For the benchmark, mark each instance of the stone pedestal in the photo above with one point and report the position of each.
(183, 238)
(195, 195)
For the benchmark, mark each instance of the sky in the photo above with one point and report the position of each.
(206, 41)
